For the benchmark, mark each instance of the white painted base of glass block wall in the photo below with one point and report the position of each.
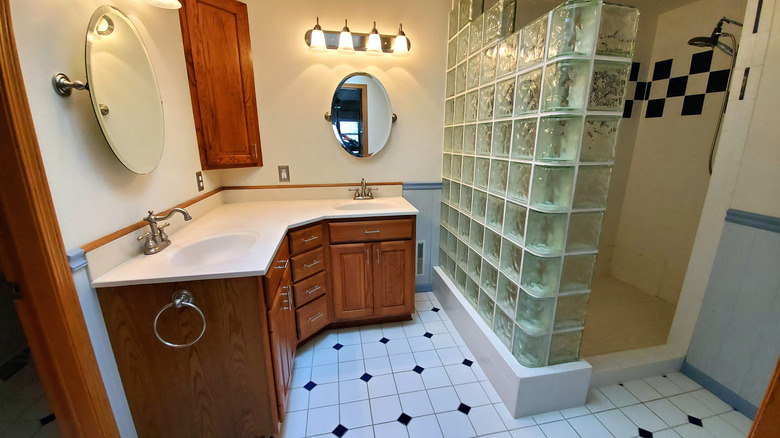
(524, 391)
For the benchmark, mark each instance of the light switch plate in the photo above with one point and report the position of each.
(284, 173)
(199, 178)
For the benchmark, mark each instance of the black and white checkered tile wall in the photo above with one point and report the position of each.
(700, 83)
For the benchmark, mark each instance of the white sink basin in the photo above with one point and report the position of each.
(363, 205)
(214, 250)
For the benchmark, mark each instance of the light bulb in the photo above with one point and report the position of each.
(374, 46)
(401, 46)
(345, 40)
(317, 43)
(165, 4)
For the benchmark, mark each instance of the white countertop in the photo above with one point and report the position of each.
(267, 221)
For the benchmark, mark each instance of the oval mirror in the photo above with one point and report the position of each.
(361, 115)
(124, 91)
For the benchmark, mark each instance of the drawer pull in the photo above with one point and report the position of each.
(372, 231)
(286, 307)
(377, 256)
(286, 262)
(319, 315)
(312, 264)
(311, 291)
(310, 239)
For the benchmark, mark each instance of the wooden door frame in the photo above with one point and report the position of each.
(35, 258)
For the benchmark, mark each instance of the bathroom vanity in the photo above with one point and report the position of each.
(221, 364)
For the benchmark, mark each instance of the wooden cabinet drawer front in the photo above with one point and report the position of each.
(312, 317)
(276, 271)
(305, 239)
(310, 288)
(308, 264)
(369, 231)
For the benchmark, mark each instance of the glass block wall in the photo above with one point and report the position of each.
(531, 121)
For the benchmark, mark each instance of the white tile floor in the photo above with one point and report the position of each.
(418, 379)
(23, 405)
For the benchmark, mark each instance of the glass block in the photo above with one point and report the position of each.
(570, 311)
(486, 96)
(463, 45)
(506, 295)
(489, 278)
(492, 23)
(485, 307)
(484, 138)
(472, 291)
(552, 187)
(464, 225)
(573, 28)
(457, 113)
(535, 315)
(454, 197)
(468, 171)
(505, 99)
(474, 267)
(511, 259)
(617, 33)
(530, 351)
(450, 85)
(464, 13)
(469, 139)
(460, 278)
(460, 78)
(492, 247)
(495, 213)
(450, 267)
(452, 53)
(507, 18)
(519, 181)
(446, 166)
(462, 254)
(445, 191)
(546, 232)
(498, 176)
(477, 232)
(481, 173)
(502, 327)
(457, 166)
(473, 71)
(452, 242)
(502, 139)
(565, 347)
(453, 23)
(479, 202)
(453, 223)
(475, 34)
(577, 272)
(524, 139)
(540, 275)
(584, 231)
(514, 222)
(527, 92)
(457, 138)
(532, 42)
(608, 90)
(559, 138)
(449, 106)
(442, 224)
(565, 85)
(507, 55)
(598, 143)
(592, 187)
(447, 140)
(465, 199)
(472, 105)
(489, 61)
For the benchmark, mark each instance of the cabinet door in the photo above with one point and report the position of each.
(351, 275)
(278, 329)
(393, 278)
(219, 64)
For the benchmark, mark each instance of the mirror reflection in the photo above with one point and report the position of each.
(361, 115)
(123, 89)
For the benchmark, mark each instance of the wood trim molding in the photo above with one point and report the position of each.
(50, 311)
(310, 186)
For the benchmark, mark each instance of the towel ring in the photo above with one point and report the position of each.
(180, 298)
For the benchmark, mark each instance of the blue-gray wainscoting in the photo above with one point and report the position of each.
(736, 342)
(426, 197)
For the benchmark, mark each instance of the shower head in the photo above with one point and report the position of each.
(713, 40)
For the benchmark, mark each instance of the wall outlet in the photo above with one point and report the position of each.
(199, 178)
(284, 173)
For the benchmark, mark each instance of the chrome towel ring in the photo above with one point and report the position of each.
(180, 298)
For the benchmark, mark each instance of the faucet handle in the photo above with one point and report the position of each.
(150, 243)
(147, 235)
(163, 236)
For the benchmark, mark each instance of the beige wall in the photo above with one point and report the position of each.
(668, 177)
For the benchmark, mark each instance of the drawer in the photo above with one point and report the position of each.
(309, 289)
(305, 239)
(369, 231)
(308, 264)
(276, 271)
(312, 317)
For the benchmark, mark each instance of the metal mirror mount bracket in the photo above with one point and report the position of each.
(63, 85)
(327, 116)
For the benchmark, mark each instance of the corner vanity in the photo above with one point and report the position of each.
(204, 333)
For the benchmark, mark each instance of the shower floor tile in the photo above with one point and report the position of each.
(436, 392)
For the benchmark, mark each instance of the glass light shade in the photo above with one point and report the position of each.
(165, 4)
(318, 41)
(345, 40)
(374, 46)
(401, 46)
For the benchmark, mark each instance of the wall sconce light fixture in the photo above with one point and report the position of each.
(345, 41)
(165, 4)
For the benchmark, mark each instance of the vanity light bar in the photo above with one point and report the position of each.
(359, 40)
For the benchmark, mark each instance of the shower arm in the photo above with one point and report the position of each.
(725, 98)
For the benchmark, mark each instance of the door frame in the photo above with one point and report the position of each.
(34, 258)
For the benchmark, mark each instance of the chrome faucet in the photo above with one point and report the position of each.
(364, 192)
(156, 239)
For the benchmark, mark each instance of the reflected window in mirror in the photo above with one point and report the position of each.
(361, 115)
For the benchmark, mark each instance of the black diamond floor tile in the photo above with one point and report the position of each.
(418, 369)
(695, 421)
(340, 430)
(464, 408)
(309, 386)
(404, 419)
(47, 419)
(428, 335)
(338, 347)
(467, 362)
(435, 309)
(645, 433)
(366, 377)
(384, 340)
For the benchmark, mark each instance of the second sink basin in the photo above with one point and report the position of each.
(363, 205)
(214, 250)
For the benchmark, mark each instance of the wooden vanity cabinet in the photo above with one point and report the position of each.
(283, 338)
(218, 53)
(309, 267)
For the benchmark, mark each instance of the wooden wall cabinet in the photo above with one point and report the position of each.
(218, 53)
